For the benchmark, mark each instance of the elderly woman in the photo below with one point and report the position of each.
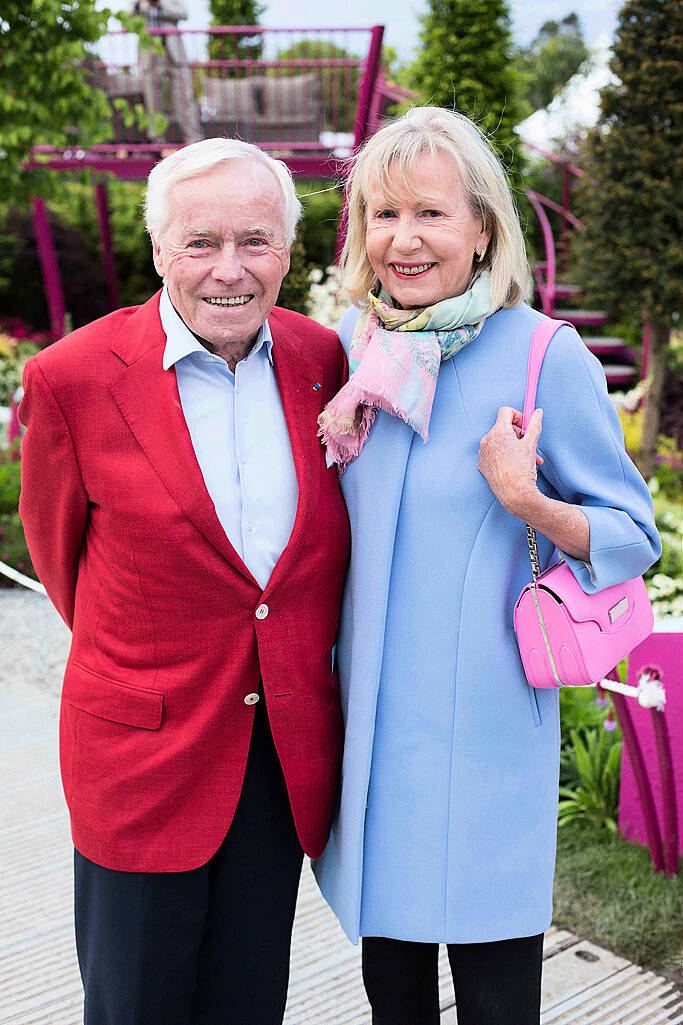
(447, 821)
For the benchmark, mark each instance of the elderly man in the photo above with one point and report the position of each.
(179, 511)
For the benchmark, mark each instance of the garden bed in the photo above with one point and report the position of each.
(607, 892)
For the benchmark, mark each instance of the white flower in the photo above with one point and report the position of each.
(651, 694)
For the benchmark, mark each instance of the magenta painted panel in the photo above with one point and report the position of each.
(665, 651)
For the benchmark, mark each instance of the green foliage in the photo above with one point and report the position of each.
(465, 63)
(10, 485)
(138, 279)
(13, 549)
(629, 198)
(233, 47)
(44, 94)
(296, 285)
(75, 207)
(319, 221)
(46, 91)
(338, 86)
(23, 294)
(669, 521)
(579, 711)
(595, 758)
(547, 64)
(606, 891)
(13, 355)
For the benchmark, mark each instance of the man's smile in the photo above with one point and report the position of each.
(230, 300)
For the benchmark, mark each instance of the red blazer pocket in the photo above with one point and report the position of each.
(111, 699)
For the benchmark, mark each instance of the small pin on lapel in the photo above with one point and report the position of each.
(316, 387)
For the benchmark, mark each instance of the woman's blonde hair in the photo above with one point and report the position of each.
(396, 147)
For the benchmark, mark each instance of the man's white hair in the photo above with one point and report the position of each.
(198, 158)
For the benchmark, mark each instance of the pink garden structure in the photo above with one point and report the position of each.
(618, 359)
(651, 797)
(308, 96)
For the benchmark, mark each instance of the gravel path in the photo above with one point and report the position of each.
(35, 643)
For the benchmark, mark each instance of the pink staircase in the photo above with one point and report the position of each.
(561, 300)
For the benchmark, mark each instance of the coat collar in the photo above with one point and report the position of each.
(148, 399)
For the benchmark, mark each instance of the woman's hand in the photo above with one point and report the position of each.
(509, 461)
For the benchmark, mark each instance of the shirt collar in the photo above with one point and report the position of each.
(180, 341)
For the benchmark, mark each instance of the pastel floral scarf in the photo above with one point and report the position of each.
(394, 363)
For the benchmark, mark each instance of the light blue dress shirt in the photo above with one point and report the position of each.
(240, 438)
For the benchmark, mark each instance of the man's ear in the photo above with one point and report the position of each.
(157, 256)
(285, 263)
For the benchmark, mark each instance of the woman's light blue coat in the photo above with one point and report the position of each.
(446, 829)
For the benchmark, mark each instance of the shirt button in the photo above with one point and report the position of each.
(262, 611)
(251, 699)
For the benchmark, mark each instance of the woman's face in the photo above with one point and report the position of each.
(422, 250)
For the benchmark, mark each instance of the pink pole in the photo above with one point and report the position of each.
(654, 837)
(49, 266)
(666, 772)
(564, 242)
(108, 260)
(368, 86)
(375, 115)
(547, 291)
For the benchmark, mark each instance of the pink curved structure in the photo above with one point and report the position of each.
(642, 778)
(312, 110)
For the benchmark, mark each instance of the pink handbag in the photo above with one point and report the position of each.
(568, 638)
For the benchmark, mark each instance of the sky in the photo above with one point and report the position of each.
(401, 17)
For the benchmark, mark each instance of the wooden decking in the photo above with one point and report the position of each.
(39, 982)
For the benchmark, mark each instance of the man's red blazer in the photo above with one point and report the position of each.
(154, 729)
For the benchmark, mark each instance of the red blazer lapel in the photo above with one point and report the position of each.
(147, 396)
(300, 383)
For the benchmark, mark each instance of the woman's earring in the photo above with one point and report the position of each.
(481, 255)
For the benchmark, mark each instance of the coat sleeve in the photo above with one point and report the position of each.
(585, 462)
(53, 504)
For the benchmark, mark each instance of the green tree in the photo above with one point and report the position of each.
(465, 62)
(296, 284)
(557, 53)
(44, 94)
(234, 47)
(630, 196)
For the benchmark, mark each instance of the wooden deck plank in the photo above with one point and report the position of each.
(39, 981)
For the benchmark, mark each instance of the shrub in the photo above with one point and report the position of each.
(10, 486)
(319, 222)
(594, 759)
(138, 279)
(296, 285)
(22, 293)
(13, 549)
(13, 355)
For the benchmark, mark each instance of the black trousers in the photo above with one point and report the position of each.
(204, 947)
(495, 983)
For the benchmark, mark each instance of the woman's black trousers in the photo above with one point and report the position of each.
(495, 983)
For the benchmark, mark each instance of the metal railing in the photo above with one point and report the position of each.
(301, 90)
